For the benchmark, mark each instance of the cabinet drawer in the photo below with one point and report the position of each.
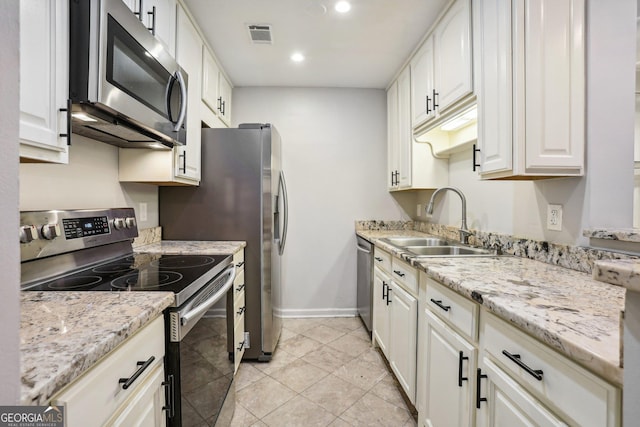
(238, 285)
(454, 309)
(563, 385)
(238, 342)
(405, 275)
(238, 259)
(382, 259)
(239, 307)
(98, 394)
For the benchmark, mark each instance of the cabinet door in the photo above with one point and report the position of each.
(393, 137)
(452, 41)
(492, 34)
(145, 408)
(554, 73)
(422, 84)
(381, 285)
(508, 404)
(210, 73)
(448, 373)
(405, 132)
(403, 333)
(189, 56)
(225, 93)
(161, 21)
(44, 76)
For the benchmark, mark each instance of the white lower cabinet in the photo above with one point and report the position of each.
(475, 369)
(502, 402)
(381, 284)
(395, 318)
(98, 396)
(239, 308)
(403, 334)
(448, 375)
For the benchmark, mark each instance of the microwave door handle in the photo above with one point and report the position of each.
(285, 200)
(183, 102)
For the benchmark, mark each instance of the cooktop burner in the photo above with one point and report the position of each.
(180, 274)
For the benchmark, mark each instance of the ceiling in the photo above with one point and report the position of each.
(363, 48)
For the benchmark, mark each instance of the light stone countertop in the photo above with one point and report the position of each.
(625, 273)
(622, 234)
(62, 334)
(568, 310)
(189, 247)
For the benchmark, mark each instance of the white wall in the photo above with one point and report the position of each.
(335, 159)
(604, 196)
(90, 180)
(10, 259)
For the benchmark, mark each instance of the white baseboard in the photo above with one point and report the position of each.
(318, 312)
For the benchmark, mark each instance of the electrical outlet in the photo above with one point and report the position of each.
(142, 211)
(419, 210)
(554, 217)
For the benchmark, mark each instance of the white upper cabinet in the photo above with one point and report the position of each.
(411, 164)
(530, 69)
(216, 90)
(44, 80)
(159, 16)
(189, 56)
(441, 71)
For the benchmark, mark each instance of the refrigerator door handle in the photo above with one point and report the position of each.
(285, 204)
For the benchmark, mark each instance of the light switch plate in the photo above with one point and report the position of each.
(554, 217)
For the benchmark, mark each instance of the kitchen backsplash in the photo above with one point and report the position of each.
(577, 258)
(147, 236)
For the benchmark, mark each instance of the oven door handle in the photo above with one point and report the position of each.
(211, 301)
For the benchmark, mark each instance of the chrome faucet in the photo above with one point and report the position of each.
(464, 231)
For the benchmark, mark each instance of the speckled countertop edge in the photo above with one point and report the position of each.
(625, 273)
(62, 334)
(192, 247)
(567, 310)
(622, 234)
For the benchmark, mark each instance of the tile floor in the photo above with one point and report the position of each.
(324, 373)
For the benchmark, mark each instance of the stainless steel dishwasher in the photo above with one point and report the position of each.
(365, 269)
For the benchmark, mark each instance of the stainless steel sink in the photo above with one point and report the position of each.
(430, 247)
(403, 242)
(435, 251)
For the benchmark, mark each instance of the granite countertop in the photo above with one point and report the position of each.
(62, 334)
(189, 247)
(568, 310)
(623, 272)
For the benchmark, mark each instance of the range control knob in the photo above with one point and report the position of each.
(118, 223)
(130, 222)
(28, 233)
(50, 231)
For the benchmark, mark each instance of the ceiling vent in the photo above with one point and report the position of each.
(260, 34)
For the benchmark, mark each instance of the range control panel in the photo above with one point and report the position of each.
(46, 233)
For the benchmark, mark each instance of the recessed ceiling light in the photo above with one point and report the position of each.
(297, 57)
(343, 6)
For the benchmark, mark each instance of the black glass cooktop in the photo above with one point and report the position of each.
(180, 274)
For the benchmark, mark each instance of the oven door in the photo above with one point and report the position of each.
(198, 366)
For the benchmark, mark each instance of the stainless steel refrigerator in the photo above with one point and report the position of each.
(242, 196)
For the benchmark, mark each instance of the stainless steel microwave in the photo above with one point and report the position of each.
(125, 88)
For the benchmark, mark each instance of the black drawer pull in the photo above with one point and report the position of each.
(384, 286)
(479, 377)
(241, 346)
(461, 358)
(240, 264)
(242, 310)
(399, 273)
(515, 358)
(378, 259)
(438, 302)
(388, 290)
(143, 366)
(239, 288)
